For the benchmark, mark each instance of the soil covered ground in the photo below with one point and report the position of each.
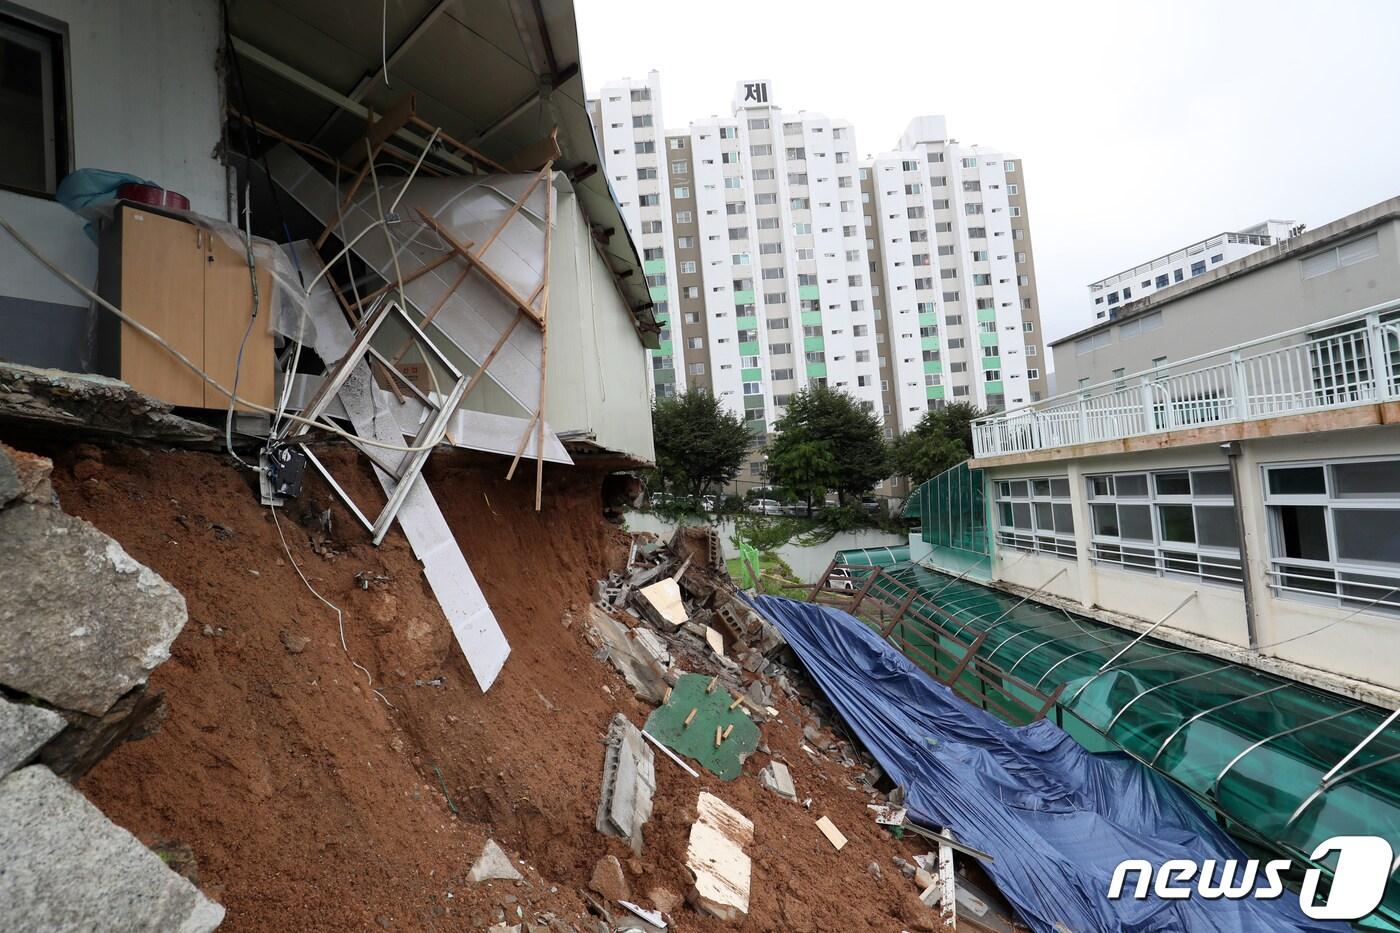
(333, 775)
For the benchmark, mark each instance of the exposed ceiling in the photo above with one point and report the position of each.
(497, 75)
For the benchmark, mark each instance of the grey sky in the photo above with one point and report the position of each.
(1143, 126)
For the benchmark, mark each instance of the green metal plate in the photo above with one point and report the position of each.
(697, 741)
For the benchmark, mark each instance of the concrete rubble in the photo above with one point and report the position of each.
(83, 623)
(777, 778)
(67, 867)
(23, 729)
(81, 629)
(629, 781)
(716, 857)
(493, 865)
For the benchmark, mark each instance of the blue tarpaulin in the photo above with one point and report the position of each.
(1056, 818)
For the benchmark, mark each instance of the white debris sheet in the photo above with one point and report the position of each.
(370, 409)
(716, 857)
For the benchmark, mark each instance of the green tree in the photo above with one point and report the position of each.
(837, 424)
(699, 445)
(808, 468)
(941, 440)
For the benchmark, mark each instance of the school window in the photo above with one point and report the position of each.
(1036, 515)
(1175, 522)
(677, 143)
(35, 156)
(1331, 532)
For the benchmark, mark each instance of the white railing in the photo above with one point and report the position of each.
(1353, 359)
(1200, 246)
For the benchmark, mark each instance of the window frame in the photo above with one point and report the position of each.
(1051, 542)
(33, 29)
(1160, 556)
(1336, 568)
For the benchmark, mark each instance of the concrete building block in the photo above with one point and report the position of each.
(493, 865)
(629, 782)
(23, 729)
(82, 623)
(67, 867)
(715, 856)
(777, 778)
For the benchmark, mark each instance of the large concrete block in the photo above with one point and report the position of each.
(67, 867)
(629, 782)
(81, 622)
(22, 730)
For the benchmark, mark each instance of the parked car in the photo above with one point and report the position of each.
(871, 504)
(766, 507)
(841, 579)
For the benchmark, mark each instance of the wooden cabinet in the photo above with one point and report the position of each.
(193, 289)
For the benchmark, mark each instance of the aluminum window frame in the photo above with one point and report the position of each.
(1160, 556)
(1051, 542)
(1375, 598)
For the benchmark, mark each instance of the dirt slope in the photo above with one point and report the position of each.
(311, 804)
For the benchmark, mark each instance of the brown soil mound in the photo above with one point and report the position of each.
(313, 804)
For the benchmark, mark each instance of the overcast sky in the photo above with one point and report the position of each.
(1143, 126)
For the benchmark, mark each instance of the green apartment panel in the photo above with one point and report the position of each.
(986, 314)
(988, 340)
(663, 377)
(928, 343)
(743, 298)
(658, 293)
(752, 402)
(654, 267)
(808, 292)
(933, 391)
(816, 370)
(748, 348)
(933, 366)
(810, 318)
(928, 318)
(813, 344)
(751, 375)
(663, 349)
(991, 362)
(995, 388)
(759, 428)
(746, 322)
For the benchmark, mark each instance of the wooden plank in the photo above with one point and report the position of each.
(379, 131)
(832, 834)
(460, 146)
(865, 588)
(162, 286)
(492, 276)
(821, 581)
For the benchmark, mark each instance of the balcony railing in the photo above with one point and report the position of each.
(1200, 246)
(1353, 359)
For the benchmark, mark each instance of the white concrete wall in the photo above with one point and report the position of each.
(596, 377)
(807, 563)
(1362, 648)
(146, 99)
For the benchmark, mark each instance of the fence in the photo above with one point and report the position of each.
(1349, 360)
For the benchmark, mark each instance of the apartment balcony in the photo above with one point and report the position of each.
(1346, 368)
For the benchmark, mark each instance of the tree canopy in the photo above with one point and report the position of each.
(699, 445)
(827, 440)
(941, 440)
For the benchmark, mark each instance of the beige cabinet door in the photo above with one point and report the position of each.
(162, 286)
(228, 308)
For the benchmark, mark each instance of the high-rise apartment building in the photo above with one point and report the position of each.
(778, 258)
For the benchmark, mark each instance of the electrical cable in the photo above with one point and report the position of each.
(339, 616)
